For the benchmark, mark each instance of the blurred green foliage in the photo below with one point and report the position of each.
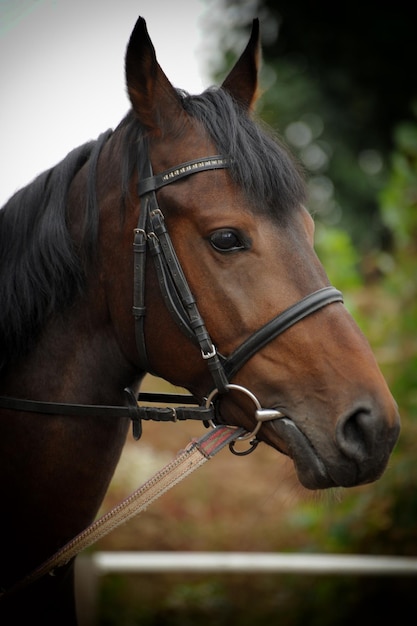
(399, 210)
(336, 84)
(362, 177)
(328, 91)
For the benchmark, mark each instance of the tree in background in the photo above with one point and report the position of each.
(341, 87)
(338, 79)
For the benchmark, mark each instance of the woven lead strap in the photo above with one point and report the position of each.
(195, 454)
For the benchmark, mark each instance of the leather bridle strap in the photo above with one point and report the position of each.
(175, 290)
(133, 410)
(260, 338)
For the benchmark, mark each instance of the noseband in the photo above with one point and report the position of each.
(151, 234)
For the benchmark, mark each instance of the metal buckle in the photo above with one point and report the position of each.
(209, 355)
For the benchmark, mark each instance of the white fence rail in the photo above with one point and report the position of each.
(252, 563)
(91, 567)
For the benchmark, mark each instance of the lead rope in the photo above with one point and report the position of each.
(193, 456)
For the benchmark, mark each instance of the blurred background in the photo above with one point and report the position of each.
(339, 85)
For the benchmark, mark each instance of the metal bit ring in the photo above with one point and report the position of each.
(262, 415)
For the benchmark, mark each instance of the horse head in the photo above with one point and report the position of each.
(244, 241)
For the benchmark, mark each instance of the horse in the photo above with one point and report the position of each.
(204, 274)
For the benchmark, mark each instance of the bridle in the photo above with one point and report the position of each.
(152, 235)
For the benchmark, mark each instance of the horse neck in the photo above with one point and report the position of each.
(68, 460)
(76, 359)
(78, 356)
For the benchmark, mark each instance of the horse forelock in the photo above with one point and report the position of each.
(260, 164)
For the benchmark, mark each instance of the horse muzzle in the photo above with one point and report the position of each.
(358, 455)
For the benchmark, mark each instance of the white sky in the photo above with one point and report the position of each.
(62, 72)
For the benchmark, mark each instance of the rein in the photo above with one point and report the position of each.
(194, 456)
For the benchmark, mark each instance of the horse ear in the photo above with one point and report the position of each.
(242, 81)
(153, 98)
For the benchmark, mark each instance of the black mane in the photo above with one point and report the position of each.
(42, 271)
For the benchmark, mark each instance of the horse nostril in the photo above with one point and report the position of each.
(357, 434)
(366, 438)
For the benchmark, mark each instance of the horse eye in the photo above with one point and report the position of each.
(226, 240)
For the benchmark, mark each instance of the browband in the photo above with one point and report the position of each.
(152, 183)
